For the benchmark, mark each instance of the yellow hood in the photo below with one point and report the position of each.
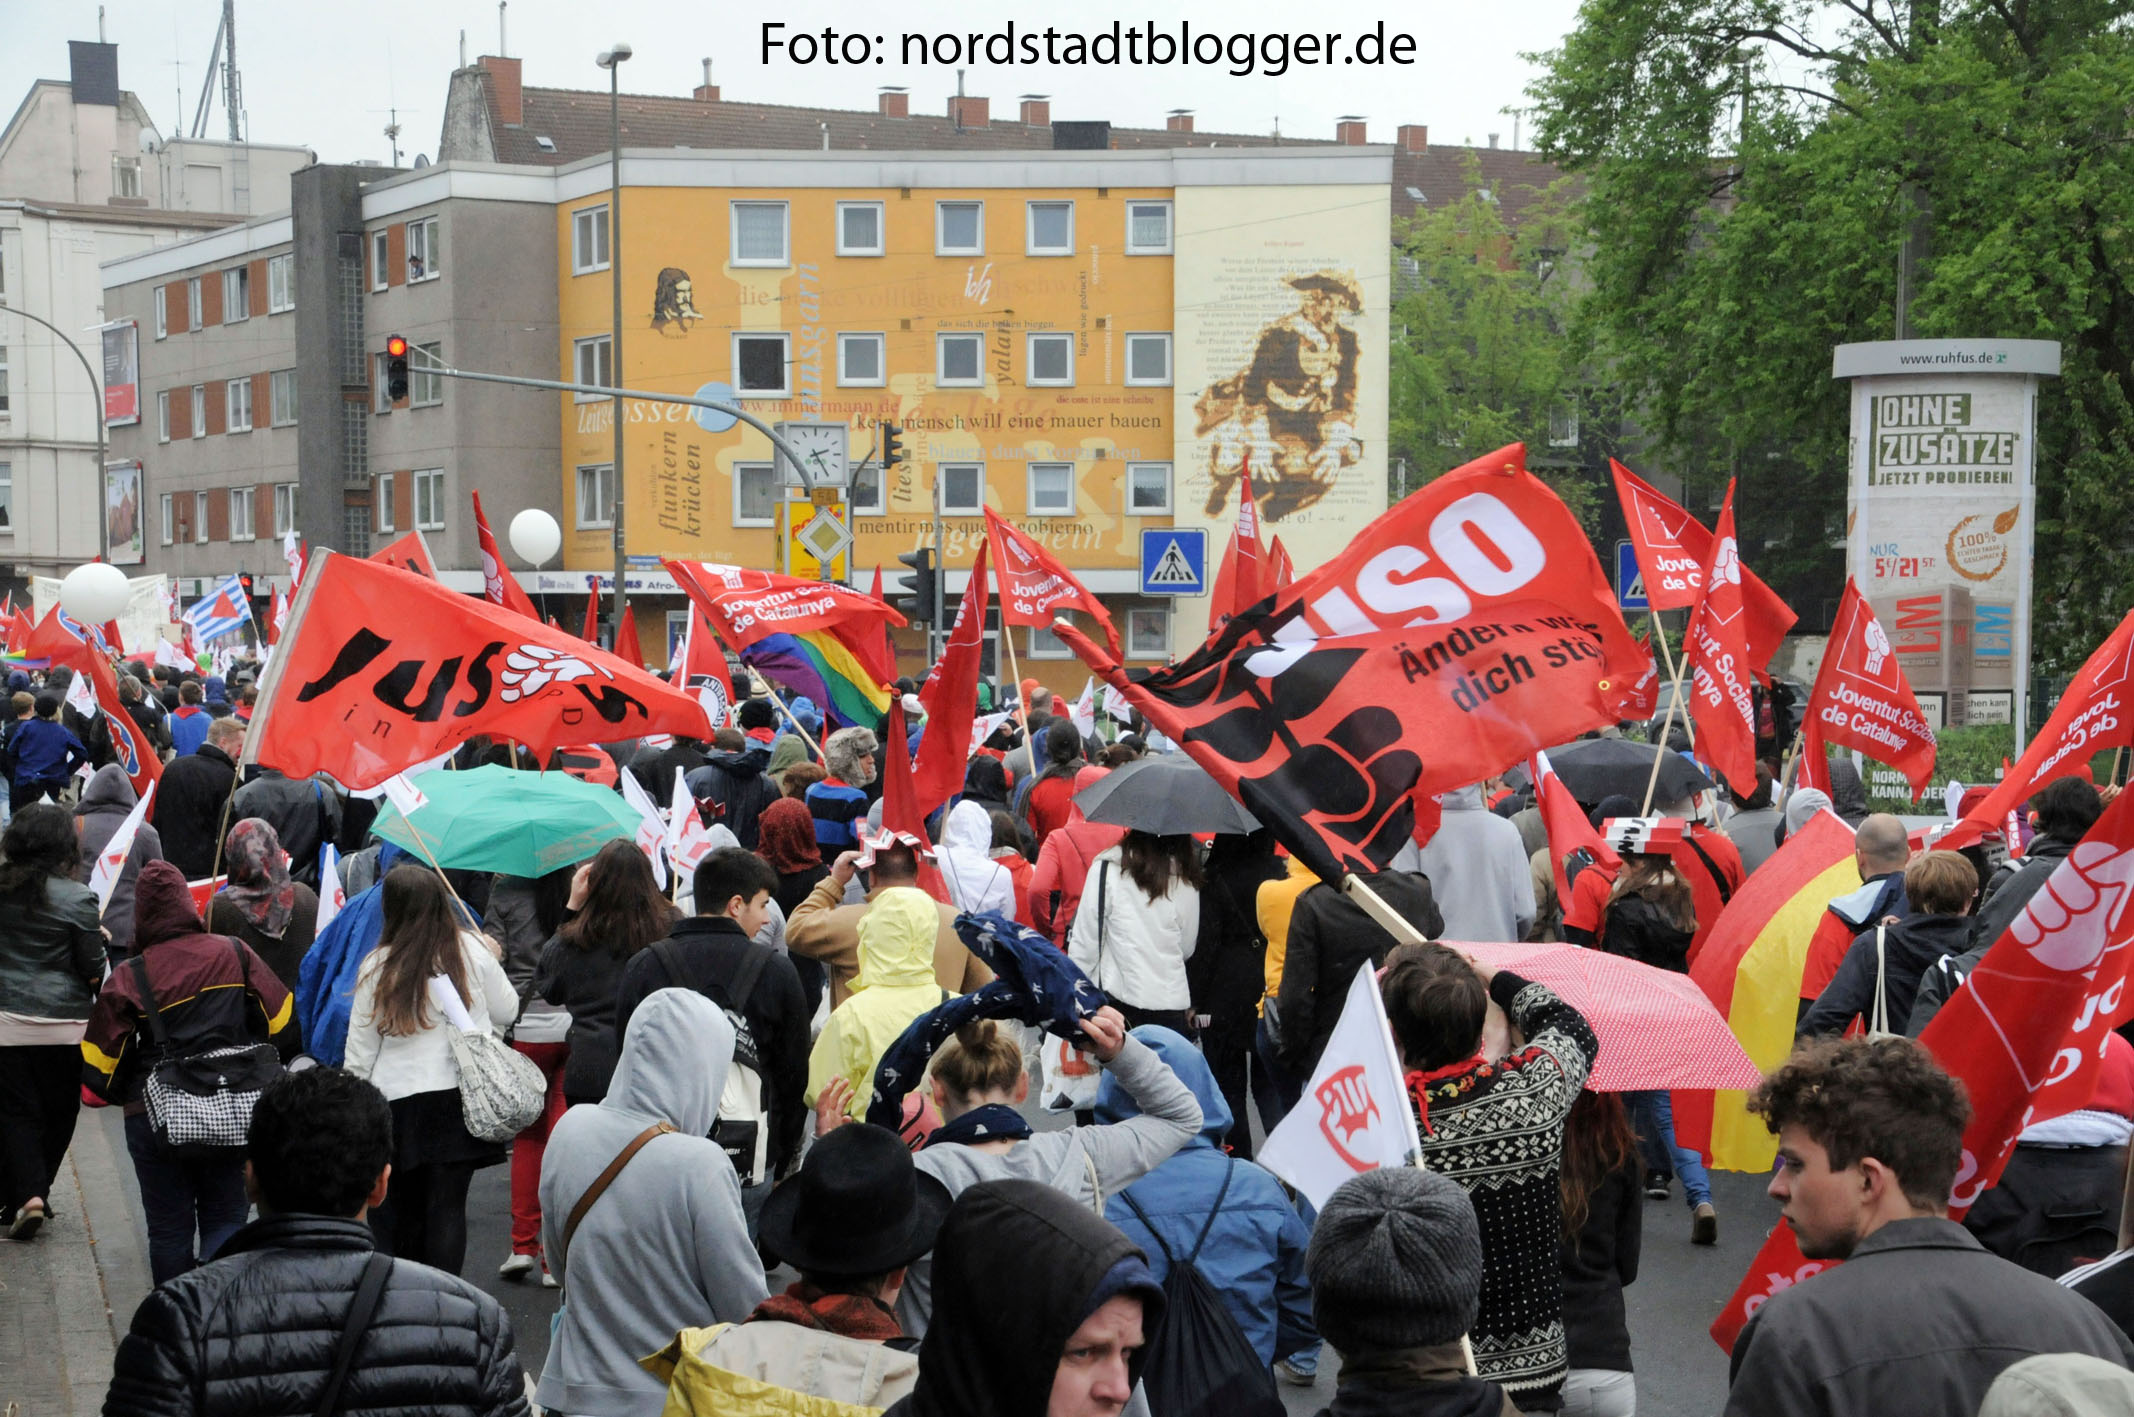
(896, 941)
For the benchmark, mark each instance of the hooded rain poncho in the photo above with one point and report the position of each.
(895, 984)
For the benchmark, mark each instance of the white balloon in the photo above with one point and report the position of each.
(535, 535)
(95, 593)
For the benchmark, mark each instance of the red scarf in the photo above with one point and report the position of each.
(858, 1316)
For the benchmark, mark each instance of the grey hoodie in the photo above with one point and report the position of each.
(102, 809)
(1478, 872)
(665, 1247)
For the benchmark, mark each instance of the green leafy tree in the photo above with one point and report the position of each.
(1757, 166)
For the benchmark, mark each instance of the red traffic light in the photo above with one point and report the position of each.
(396, 346)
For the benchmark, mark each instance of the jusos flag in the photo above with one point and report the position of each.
(2025, 1033)
(1034, 587)
(409, 553)
(1862, 701)
(1717, 648)
(1674, 546)
(381, 669)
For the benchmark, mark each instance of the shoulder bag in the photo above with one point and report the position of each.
(501, 1090)
(201, 1103)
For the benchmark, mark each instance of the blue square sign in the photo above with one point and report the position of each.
(1629, 580)
(1174, 560)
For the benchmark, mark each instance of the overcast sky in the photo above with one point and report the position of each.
(324, 75)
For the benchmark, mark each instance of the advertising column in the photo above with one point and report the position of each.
(1940, 511)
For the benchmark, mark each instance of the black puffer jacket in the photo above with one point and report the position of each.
(189, 808)
(1639, 929)
(254, 1333)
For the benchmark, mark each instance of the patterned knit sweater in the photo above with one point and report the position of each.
(1497, 1129)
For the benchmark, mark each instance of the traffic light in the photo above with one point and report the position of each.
(396, 367)
(892, 445)
(916, 603)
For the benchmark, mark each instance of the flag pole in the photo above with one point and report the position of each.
(1674, 701)
(779, 704)
(1374, 905)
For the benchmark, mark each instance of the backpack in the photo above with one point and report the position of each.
(1198, 1359)
(743, 1128)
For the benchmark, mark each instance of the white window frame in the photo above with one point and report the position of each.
(785, 234)
(6, 399)
(959, 509)
(1030, 343)
(199, 429)
(192, 303)
(941, 343)
(284, 509)
(421, 359)
(1030, 491)
(381, 400)
(245, 527)
(381, 252)
(785, 364)
(941, 246)
(1030, 243)
(881, 230)
(1043, 644)
(7, 496)
(382, 502)
(1563, 426)
(162, 304)
(589, 240)
(881, 360)
(274, 384)
(580, 348)
(234, 393)
(769, 472)
(876, 506)
(1169, 233)
(599, 471)
(163, 416)
(236, 294)
(1134, 468)
(170, 519)
(128, 168)
(1140, 650)
(1128, 362)
(432, 268)
(430, 481)
(200, 519)
(281, 268)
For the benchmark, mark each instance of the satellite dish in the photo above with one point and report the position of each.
(148, 140)
(421, 162)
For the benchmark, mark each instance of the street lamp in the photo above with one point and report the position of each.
(612, 61)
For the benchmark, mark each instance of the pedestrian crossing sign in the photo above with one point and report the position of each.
(1629, 580)
(1174, 560)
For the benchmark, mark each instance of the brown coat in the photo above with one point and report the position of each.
(822, 928)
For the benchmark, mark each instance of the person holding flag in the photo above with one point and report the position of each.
(108, 804)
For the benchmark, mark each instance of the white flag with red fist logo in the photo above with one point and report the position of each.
(1354, 1116)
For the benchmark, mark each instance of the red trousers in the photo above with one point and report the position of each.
(530, 1145)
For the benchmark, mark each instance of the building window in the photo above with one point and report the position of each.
(236, 294)
(860, 360)
(596, 496)
(1050, 361)
(959, 361)
(284, 508)
(1052, 489)
(426, 251)
(755, 494)
(192, 303)
(163, 416)
(760, 366)
(383, 499)
(380, 391)
(859, 229)
(237, 406)
(7, 496)
(1051, 228)
(1046, 645)
(959, 228)
(1148, 228)
(380, 251)
(162, 304)
(589, 240)
(281, 284)
(1148, 359)
(200, 518)
(426, 389)
(962, 487)
(125, 176)
(1148, 489)
(759, 234)
(170, 519)
(430, 499)
(200, 412)
(1148, 633)
(1563, 427)
(865, 497)
(241, 513)
(595, 364)
(4, 397)
(281, 398)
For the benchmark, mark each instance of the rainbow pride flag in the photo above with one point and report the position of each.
(818, 664)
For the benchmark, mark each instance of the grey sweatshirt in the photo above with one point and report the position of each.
(1090, 1164)
(665, 1247)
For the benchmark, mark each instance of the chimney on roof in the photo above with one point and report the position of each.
(893, 102)
(1178, 120)
(1037, 110)
(968, 112)
(706, 92)
(504, 79)
(1492, 139)
(1413, 137)
(1348, 129)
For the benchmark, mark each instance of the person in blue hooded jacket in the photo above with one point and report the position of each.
(326, 980)
(1254, 1251)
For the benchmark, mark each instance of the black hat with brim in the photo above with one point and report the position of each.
(858, 1207)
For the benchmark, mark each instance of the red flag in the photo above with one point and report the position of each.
(1814, 769)
(2091, 715)
(1569, 829)
(626, 647)
(1641, 698)
(1246, 577)
(498, 584)
(702, 669)
(1284, 572)
(66, 641)
(745, 605)
(410, 553)
(1716, 646)
(874, 592)
(950, 697)
(889, 647)
(1034, 587)
(1861, 699)
(1672, 548)
(2025, 1034)
(591, 633)
(900, 802)
(114, 639)
(382, 670)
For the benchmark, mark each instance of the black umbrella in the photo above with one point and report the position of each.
(1168, 795)
(1594, 768)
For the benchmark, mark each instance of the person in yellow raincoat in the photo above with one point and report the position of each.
(895, 984)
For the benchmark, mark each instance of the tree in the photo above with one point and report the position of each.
(1755, 168)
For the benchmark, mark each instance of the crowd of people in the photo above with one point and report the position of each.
(750, 1205)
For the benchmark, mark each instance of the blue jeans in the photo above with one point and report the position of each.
(178, 1194)
(1653, 1116)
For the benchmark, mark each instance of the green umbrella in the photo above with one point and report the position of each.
(496, 818)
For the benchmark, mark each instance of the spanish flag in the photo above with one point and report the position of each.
(1750, 968)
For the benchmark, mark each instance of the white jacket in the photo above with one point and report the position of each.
(1145, 943)
(403, 1065)
(975, 881)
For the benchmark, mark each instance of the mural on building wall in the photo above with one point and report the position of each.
(122, 514)
(673, 302)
